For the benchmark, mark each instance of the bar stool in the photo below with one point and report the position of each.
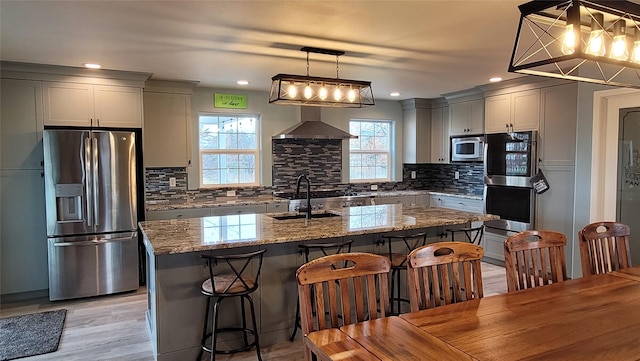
(325, 249)
(472, 235)
(399, 247)
(234, 275)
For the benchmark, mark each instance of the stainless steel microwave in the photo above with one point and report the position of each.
(467, 149)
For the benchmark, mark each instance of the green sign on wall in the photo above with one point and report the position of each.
(230, 101)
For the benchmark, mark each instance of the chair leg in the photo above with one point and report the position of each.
(255, 327)
(214, 333)
(244, 321)
(296, 323)
(204, 329)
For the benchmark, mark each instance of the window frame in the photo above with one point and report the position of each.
(255, 152)
(389, 152)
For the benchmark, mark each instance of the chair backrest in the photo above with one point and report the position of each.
(444, 272)
(534, 258)
(604, 247)
(349, 294)
(234, 273)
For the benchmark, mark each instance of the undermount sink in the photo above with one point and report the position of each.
(282, 217)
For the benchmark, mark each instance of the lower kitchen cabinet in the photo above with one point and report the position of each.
(395, 200)
(243, 209)
(178, 214)
(23, 234)
(494, 247)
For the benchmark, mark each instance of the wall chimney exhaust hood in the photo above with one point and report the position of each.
(311, 127)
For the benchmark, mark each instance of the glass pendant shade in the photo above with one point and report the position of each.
(582, 40)
(595, 45)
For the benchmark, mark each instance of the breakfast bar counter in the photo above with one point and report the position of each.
(175, 269)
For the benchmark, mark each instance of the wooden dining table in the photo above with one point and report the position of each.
(589, 318)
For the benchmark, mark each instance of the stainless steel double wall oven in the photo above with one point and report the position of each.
(510, 160)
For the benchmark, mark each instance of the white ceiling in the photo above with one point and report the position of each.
(419, 48)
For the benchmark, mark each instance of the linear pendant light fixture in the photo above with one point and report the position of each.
(323, 92)
(593, 41)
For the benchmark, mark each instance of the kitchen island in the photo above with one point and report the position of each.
(175, 268)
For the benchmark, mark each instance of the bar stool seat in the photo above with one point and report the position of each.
(230, 276)
(325, 249)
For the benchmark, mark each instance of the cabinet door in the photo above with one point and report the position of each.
(23, 260)
(497, 113)
(178, 214)
(436, 201)
(21, 124)
(68, 104)
(476, 117)
(525, 108)
(439, 137)
(166, 129)
(494, 246)
(463, 204)
(558, 125)
(459, 114)
(244, 209)
(118, 106)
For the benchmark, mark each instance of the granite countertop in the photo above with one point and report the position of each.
(459, 195)
(221, 232)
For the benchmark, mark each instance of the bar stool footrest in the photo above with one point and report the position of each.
(227, 330)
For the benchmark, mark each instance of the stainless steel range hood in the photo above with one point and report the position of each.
(311, 127)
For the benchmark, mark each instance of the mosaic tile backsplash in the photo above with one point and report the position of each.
(435, 177)
(321, 160)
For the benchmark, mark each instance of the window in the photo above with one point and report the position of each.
(228, 150)
(370, 154)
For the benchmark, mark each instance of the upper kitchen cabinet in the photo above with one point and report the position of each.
(167, 115)
(21, 124)
(466, 112)
(512, 112)
(416, 127)
(87, 105)
(440, 135)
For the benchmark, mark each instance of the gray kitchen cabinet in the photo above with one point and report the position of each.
(178, 214)
(416, 128)
(23, 255)
(463, 204)
(493, 245)
(240, 209)
(556, 153)
(167, 119)
(440, 135)
(436, 200)
(23, 235)
(277, 207)
(409, 200)
(512, 112)
(21, 125)
(466, 117)
(85, 105)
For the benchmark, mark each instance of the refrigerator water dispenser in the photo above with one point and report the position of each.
(69, 202)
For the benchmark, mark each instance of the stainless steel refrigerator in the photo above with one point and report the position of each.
(91, 209)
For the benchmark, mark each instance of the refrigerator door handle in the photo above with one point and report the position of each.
(88, 181)
(92, 242)
(96, 185)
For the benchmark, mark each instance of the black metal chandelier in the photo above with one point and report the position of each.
(594, 41)
(323, 92)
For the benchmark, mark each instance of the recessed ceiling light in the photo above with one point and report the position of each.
(92, 66)
(394, 94)
(242, 82)
(495, 79)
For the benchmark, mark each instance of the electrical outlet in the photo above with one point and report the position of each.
(413, 174)
(456, 175)
(374, 187)
(231, 193)
(172, 181)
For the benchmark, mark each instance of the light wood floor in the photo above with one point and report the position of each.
(114, 327)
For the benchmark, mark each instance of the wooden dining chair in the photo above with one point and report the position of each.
(534, 258)
(347, 288)
(604, 247)
(443, 273)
